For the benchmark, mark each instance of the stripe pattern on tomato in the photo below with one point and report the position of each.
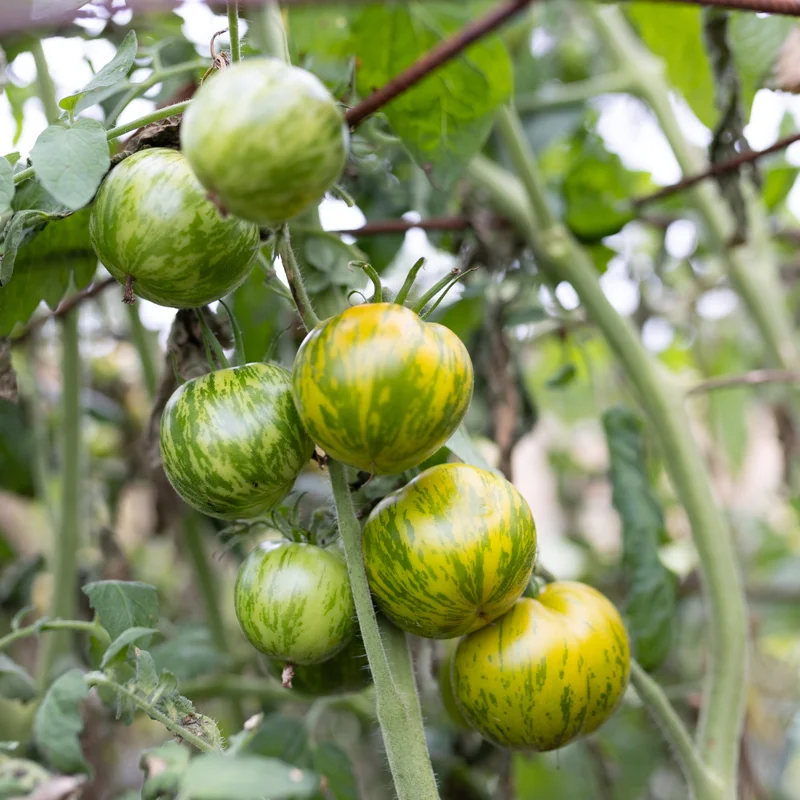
(449, 552)
(380, 389)
(553, 668)
(232, 444)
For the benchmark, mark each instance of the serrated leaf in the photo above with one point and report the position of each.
(190, 653)
(123, 604)
(219, 777)
(58, 723)
(15, 683)
(675, 33)
(135, 635)
(651, 597)
(71, 162)
(165, 767)
(6, 184)
(334, 764)
(23, 226)
(104, 81)
(444, 120)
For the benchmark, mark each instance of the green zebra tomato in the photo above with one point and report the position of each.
(552, 669)
(232, 444)
(153, 221)
(293, 602)
(449, 552)
(347, 671)
(379, 389)
(266, 139)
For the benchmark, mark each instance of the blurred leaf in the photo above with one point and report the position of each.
(120, 645)
(777, 184)
(16, 449)
(104, 81)
(15, 683)
(565, 374)
(675, 33)
(445, 119)
(544, 128)
(727, 415)
(462, 446)
(651, 596)
(333, 763)
(71, 162)
(219, 777)
(282, 737)
(6, 185)
(17, 97)
(58, 723)
(320, 31)
(190, 653)
(123, 604)
(164, 767)
(600, 254)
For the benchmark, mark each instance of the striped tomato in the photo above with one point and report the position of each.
(152, 220)
(268, 140)
(552, 669)
(379, 389)
(293, 602)
(449, 552)
(347, 671)
(231, 442)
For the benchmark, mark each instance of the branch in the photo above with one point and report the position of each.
(755, 378)
(789, 8)
(55, 625)
(443, 52)
(233, 30)
(717, 169)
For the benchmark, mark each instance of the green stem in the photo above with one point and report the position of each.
(92, 628)
(437, 287)
(563, 259)
(141, 341)
(295, 279)
(409, 282)
(274, 31)
(100, 679)
(240, 686)
(569, 94)
(233, 30)
(398, 706)
(377, 296)
(64, 556)
(701, 782)
(46, 87)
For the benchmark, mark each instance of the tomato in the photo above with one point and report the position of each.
(550, 670)
(449, 552)
(267, 139)
(445, 677)
(379, 389)
(293, 602)
(232, 444)
(153, 221)
(347, 671)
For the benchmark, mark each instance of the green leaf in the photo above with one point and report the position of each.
(462, 446)
(15, 683)
(124, 640)
(562, 377)
(444, 120)
(123, 604)
(165, 767)
(651, 597)
(6, 184)
(282, 737)
(777, 184)
(219, 777)
(675, 33)
(190, 653)
(334, 764)
(17, 97)
(58, 723)
(104, 82)
(71, 162)
(22, 227)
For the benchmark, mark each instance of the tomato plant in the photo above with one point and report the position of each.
(231, 442)
(449, 552)
(553, 668)
(152, 224)
(380, 389)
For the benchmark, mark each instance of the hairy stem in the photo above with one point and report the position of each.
(100, 679)
(295, 279)
(64, 554)
(233, 30)
(562, 258)
(397, 701)
(76, 625)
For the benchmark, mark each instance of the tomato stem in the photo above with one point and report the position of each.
(409, 282)
(295, 279)
(233, 30)
(398, 705)
(444, 283)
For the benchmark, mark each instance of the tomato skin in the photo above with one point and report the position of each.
(293, 602)
(267, 139)
(232, 444)
(380, 389)
(449, 552)
(347, 671)
(152, 220)
(550, 670)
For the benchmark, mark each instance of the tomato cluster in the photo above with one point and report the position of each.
(449, 555)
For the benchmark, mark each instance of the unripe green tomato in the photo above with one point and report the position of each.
(449, 552)
(550, 670)
(293, 602)
(380, 389)
(266, 139)
(232, 444)
(347, 671)
(152, 220)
